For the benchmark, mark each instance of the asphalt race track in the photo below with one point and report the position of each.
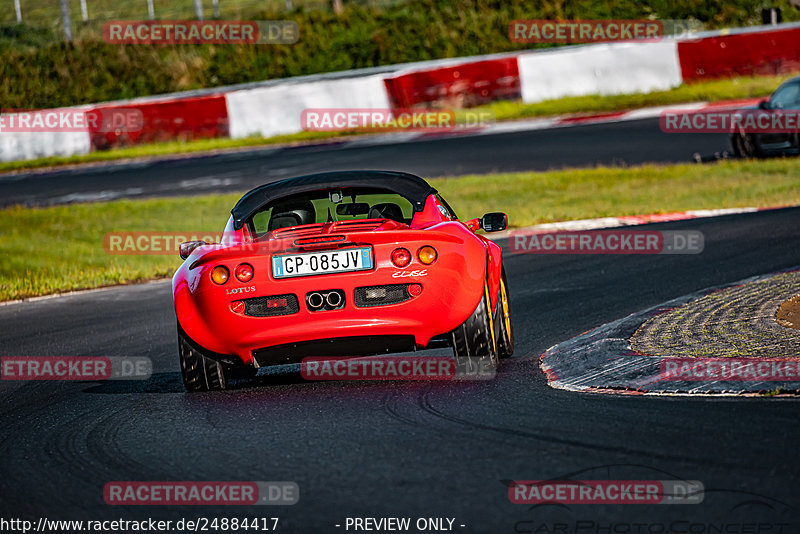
(410, 449)
(621, 143)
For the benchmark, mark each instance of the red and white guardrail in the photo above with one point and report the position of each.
(276, 107)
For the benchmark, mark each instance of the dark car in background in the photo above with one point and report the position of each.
(762, 144)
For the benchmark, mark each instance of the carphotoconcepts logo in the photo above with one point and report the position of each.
(396, 368)
(201, 32)
(606, 491)
(756, 121)
(608, 242)
(115, 120)
(201, 493)
(733, 369)
(380, 119)
(75, 368)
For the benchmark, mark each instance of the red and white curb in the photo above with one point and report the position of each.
(600, 223)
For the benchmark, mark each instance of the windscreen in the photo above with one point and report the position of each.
(331, 205)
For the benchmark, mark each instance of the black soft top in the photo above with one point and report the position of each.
(411, 187)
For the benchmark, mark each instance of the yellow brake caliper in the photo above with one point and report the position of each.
(491, 316)
(506, 315)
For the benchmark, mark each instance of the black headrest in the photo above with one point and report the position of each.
(293, 213)
(387, 210)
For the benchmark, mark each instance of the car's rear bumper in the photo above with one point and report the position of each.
(348, 331)
(344, 346)
(451, 289)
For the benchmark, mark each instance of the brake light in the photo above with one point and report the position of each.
(305, 241)
(277, 303)
(220, 274)
(244, 272)
(427, 255)
(401, 257)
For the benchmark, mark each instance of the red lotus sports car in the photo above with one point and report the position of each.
(353, 263)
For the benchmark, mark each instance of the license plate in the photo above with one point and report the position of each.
(311, 263)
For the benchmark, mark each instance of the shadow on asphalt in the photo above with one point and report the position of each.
(172, 383)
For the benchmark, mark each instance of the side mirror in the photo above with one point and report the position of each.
(186, 248)
(494, 222)
(764, 104)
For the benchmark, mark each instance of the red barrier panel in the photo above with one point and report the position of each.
(768, 52)
(461, 86)
(153, 122)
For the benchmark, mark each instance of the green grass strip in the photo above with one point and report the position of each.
(56, 249)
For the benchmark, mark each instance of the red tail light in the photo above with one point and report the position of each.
(401, 257)
(244, 272)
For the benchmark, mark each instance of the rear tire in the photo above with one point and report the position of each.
(474, 343)
(200, 373)
(744, 146)
(505, 342)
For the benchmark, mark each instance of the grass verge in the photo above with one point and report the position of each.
(713, 91)
(56, 249)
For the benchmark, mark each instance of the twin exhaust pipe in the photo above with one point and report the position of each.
(330, 300)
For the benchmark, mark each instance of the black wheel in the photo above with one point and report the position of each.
(200, 373)
(475, 344)
(504, 328)
(744, 146)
